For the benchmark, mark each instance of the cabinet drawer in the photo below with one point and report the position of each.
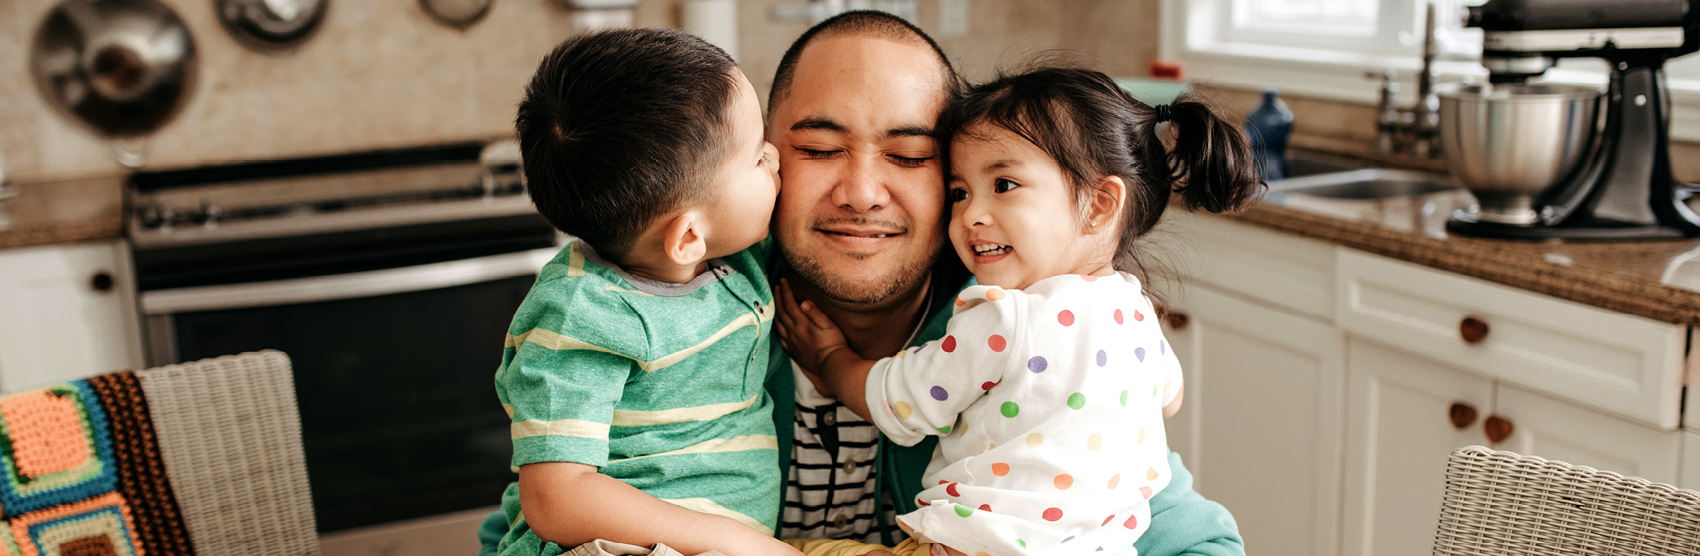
(1627, 365)
(1269, 267)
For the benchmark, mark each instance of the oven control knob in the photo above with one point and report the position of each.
(158, 216)
(211, 214)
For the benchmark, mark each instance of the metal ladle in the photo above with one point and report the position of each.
(122, 67)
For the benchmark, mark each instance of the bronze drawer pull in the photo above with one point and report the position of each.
(1473, 330)
(1463, 415)
(1497, 428)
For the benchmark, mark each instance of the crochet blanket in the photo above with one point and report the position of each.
(83, 474)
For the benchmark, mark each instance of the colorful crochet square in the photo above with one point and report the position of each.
(141, 470)
(55, 448)
(100, 526)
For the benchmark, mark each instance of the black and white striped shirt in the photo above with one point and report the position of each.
(830, 491)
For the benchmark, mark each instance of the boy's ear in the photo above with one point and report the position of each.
(683, 239)
(1108, 196)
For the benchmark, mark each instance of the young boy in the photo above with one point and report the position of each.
(634, 368)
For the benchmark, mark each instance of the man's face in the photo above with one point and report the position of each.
(860, 217)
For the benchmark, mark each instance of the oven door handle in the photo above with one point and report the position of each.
(347, 286)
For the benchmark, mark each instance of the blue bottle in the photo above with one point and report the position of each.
(1268, 127)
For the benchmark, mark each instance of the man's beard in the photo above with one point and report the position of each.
(856, 292)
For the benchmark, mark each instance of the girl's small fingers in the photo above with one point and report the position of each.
(818, 317)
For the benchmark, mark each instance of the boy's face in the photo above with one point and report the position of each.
(748, 179)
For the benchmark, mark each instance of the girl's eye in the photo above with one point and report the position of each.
(957, 194)
(1003, 185)
(908, 162)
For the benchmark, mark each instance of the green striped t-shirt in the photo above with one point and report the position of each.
(659, 385)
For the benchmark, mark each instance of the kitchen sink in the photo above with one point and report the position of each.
(1372, 183)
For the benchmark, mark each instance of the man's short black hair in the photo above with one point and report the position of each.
(859, 22)
(622, 126)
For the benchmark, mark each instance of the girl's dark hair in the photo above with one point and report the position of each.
(1094, 129)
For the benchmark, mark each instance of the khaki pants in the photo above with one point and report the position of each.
(832, 547)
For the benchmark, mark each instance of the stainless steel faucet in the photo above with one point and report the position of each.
(1415, 130)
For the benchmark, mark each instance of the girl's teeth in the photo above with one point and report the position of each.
(990, 250)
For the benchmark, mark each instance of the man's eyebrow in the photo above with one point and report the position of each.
(820, 123)
(909, 131)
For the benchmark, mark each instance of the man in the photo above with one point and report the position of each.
(860, 230)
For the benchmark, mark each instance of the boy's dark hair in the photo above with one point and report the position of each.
(1094, 129)
(858, 22)
(619, 127)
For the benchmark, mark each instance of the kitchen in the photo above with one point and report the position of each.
(1582, 357)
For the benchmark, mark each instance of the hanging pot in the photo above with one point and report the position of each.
(122, 67)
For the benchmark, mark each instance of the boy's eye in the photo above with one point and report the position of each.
(956, 194)
(910, 162)
(1003, 185)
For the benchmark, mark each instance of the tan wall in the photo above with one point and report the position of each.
(383, 74)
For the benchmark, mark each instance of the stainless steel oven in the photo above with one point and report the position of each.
(389, 279)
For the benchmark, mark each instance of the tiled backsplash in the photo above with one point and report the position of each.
(382, 73)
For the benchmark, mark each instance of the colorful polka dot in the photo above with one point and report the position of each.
(1037, 364)
(1089, 278)
(1115, 481)
(1095, 441)
(964, 511)
(1163, 346)
(1118, 315)
(981, 554)
(1107, 520)
(1124, 397)
(1052, 514)
(902, 410)
(944, 429)
(1035, 439)
(1066, 317)
(951, 489)
(940, 394)
(1103, 358)
(1000, 469)
(1063, 481)
(1142, 435)
(1132, 522)
(994, 294)
(920, 502)
(1021, 542)
(960, 302)
(1139, 353)
(985, 508)
(997, 343)
(1146, 492)
(987, 385)
(1009, 409)
(1076, 400)
(1151, 474)
(1138, 316)
(949, 344)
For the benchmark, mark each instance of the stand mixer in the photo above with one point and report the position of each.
(1613, 184)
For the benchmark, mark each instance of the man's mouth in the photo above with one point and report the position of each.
(873, 235)
(991, 249)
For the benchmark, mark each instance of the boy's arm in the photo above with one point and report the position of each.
(570, 504)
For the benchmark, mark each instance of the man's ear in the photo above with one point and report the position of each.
(1108, 196)
(683, 239)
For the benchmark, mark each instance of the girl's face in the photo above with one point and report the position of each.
(1013, 218)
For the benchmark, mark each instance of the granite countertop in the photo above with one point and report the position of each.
(62, 212)
(1654, 279)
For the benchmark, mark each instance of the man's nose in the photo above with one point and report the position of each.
(863, 186)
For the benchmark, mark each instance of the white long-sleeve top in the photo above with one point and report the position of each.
(1050, 403)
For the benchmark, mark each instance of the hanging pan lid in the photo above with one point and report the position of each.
(123, 67)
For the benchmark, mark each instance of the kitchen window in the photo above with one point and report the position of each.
(1336, 49)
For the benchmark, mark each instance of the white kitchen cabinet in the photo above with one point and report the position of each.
(1545, 427)
(1399, 432)
(1690, 462)
(66, 311)
(1261, 423)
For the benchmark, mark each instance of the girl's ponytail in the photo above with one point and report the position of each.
(1211, 162)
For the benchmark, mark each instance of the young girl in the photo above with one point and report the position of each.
(1051, 385)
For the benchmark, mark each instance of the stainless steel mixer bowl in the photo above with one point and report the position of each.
(1509, 143)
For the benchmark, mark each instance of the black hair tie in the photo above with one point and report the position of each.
(1162, 113)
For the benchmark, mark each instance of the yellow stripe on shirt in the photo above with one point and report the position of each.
(563, 427)
(624, 418)
(734, 444)
(704, 505)
(561, 342)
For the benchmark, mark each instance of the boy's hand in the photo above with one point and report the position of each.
(807, 333)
